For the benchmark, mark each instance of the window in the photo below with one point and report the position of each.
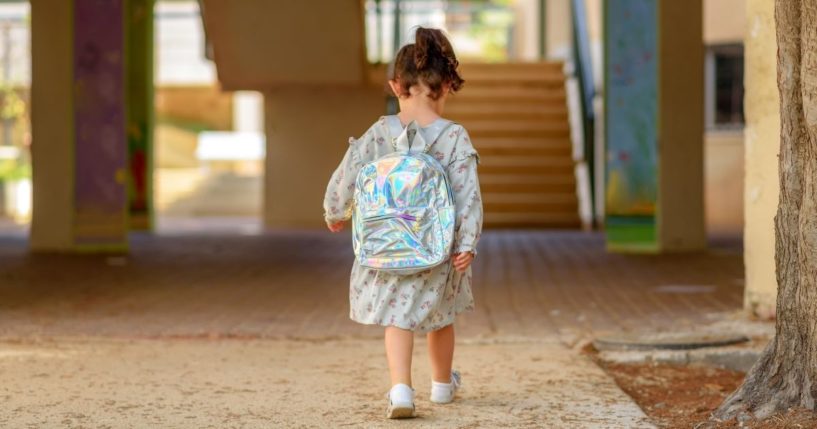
(724, 87)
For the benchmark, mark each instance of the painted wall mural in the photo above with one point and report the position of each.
(100, 219)
(140, 113)
(631, 89)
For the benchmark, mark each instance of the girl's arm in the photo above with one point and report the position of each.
(462, 173)
(338, 202)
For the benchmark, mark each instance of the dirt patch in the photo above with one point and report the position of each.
(675, 396)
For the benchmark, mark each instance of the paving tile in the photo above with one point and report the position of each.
(294, 284)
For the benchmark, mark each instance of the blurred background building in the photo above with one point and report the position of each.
(621, 115)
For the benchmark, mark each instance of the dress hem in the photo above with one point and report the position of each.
(416, 329)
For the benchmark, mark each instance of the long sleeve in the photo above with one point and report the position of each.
(338, 202)
(462, 173)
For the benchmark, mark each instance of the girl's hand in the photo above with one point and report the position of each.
(463, 260)
(337, 226)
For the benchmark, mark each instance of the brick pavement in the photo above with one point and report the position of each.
(295, 285)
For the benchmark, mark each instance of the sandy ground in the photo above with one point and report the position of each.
(248, 383)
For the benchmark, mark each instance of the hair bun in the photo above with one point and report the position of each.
(430, 60)
(428, 44)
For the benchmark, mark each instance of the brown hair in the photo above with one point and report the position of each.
(429, 60)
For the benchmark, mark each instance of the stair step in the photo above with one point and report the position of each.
(522, 142)
(517, 79)
(486, 178)
(477, 133)
(510, 68)
(508, 113)
(559, 151)
(527, 161)
(555, 96)
(528, 188)
(531, 206)
(532, 219)
(537, 170)
(510, 125)
(526, 198)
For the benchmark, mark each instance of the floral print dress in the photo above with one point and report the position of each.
(429, 300)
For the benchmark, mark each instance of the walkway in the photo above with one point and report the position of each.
(231, 330)
(296, 384)
(295, 285)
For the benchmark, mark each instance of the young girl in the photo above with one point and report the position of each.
(424, 75)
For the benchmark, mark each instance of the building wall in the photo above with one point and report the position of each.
(724, 21)
(762, 142)
(723, 182)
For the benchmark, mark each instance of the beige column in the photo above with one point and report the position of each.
(680, 212)
(308, 130)
(558, 29)
(762, 140)
(52, 124)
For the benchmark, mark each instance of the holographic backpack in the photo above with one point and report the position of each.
(404, 210)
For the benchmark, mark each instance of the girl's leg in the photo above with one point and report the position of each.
(441, 352)
(399, 346)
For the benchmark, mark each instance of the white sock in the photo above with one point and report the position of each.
(401, 394)
(443, 393)
(438, 385)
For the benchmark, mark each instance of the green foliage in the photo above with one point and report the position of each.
(11, 105)
(13, 109)
(491, 27)
(14, 169)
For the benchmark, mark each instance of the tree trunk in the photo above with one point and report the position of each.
(786, 374)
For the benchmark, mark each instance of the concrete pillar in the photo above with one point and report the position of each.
(681, 126)
(558, 29)
(654, 125)
(140, 113)
(308, 129)
(79, 149)
(762, 144)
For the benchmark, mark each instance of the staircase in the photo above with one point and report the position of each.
(516, 114)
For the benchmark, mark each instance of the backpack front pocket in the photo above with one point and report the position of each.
(400, 240)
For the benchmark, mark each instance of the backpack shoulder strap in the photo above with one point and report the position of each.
(393, 129)
(436, 131)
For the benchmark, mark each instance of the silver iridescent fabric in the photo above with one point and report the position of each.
(404, 211)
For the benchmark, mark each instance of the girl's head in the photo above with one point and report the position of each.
(428, 64)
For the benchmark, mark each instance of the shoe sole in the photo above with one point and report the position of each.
(401, 413)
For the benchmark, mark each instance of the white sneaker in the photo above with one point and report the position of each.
(401, 402)
(443, 393)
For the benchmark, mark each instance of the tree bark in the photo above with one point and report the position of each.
(786, 374)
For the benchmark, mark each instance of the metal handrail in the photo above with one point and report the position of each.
(392, 36)
(583, 67)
